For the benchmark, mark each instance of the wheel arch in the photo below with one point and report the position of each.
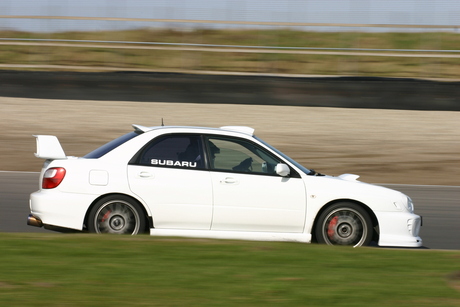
(375, 223)
(149, 219)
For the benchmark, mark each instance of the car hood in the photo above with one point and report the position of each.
(347, 187)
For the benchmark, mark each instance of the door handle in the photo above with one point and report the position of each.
(145, 175)
(229, 180)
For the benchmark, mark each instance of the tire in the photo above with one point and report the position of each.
(116, 214)
(344, 224)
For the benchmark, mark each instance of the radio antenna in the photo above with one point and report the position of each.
(162, 122)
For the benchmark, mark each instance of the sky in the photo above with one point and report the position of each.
(407, 12)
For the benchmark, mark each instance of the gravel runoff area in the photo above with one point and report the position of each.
(382, 146)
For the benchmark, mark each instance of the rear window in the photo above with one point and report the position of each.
(104, 149)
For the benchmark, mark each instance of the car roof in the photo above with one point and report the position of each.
(240, 129)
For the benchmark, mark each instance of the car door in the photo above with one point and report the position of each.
(248, 194)
(169, 175)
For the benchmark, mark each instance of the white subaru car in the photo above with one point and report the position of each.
(213, 183)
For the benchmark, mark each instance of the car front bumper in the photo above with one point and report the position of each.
(399, 229)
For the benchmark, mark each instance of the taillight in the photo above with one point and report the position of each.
(53, 177)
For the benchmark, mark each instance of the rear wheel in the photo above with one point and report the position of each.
(344, 224)
(117, 215)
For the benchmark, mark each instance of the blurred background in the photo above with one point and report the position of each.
(385, 38)
(230, 62)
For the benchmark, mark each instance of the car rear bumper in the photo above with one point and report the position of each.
(48, 208)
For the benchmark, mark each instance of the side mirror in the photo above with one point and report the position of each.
(282, 169)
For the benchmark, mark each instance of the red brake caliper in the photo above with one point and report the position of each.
(106, 216)
(331, 226)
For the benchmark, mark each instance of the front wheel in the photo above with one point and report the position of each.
(116, 215)
(344, 224)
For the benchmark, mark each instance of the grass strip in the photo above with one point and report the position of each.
(100, 270)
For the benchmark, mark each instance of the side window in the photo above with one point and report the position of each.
(179, 151)
(238, 155)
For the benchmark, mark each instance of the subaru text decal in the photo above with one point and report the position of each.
(172, 163)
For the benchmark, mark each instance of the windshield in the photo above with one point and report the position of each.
(104, 149)
(292, 161)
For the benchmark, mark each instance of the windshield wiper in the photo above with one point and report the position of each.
(314, 173)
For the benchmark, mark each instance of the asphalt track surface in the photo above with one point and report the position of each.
(439, 206)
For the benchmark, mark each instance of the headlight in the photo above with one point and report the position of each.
(409, 205)
(406, 203)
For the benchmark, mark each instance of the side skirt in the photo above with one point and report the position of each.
(233, 235)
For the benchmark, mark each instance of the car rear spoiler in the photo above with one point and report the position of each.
(49, 147)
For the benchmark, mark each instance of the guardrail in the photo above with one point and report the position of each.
(421, 53)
